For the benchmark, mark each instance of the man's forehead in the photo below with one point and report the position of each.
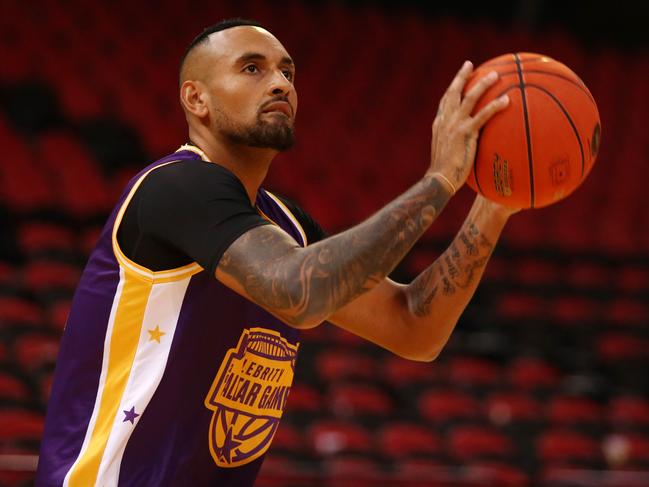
(233, 42)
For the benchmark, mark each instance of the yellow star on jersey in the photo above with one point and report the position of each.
(156, 334)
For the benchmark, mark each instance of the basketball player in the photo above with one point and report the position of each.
(180, 347)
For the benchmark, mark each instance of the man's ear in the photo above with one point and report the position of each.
(193, 99)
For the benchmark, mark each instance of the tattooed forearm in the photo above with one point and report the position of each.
(306, 285)
(456, 269)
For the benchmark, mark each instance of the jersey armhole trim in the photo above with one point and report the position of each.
(140, 271)
(290, 216)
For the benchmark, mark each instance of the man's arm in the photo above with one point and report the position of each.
(304, 286)
(416, 320)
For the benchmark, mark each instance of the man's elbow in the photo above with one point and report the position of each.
(423, 355)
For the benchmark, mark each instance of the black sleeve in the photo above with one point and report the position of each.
(314, 232)
(183, 212)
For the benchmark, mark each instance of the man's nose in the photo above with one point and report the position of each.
(280, 85)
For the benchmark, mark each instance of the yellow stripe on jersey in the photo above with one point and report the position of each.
(290, 215)
(123, 345)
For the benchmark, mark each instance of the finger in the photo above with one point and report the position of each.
(477, 90)
(493, 107)
(456, 86)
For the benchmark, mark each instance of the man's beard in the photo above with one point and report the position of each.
(263, 134)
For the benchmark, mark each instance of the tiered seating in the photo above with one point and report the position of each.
(545, 374)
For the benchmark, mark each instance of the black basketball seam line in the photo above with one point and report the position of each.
(527, 130)
(572, 124)
(583, 88)
(513, 61)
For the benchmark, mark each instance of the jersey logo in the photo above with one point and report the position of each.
(248, 396)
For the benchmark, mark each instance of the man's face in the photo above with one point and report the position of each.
(249, 77)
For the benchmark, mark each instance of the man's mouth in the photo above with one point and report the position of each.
(279, 107)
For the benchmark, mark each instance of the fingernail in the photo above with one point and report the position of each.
(466, 64)
(492, 75)
(504, 99)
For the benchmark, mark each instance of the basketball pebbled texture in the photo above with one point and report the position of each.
(540, 148)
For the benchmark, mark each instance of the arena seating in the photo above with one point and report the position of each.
(544, 380)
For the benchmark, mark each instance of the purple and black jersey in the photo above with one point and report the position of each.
(167, 377)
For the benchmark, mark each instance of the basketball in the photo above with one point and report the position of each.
(540, 148)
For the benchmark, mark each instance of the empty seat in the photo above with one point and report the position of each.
(567, 410)
(330, 437)
(466, 443)
(530, 373)
(333, 365)
(13, 388)
(349, 400)
(628, 411)
(503, 408)
(18, 425)
(398, 372)
(39, 237)
(400, 440)
(44, 276)
(473, 372)
(567, 447)
(304, 398)
(35, 351)
(500, 474)
(18, 311)
(288, 437)
(440, 406)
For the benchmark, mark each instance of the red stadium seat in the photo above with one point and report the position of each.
(398, 372)
(621, 347)
(565, 410)
(473, 372)
(34, 351)
(510, 407)
(530, 373)
(401, 440)
(439, 406)
(627, 312)
(352, 471)
(333, 437)
(334, 365)
(467, 443)
(58, 312)
(628, 411)
(563, 447)
(502, 475)
(17, 311)
(42, 237)
(16, 425)
(13, 388)
(304, 398)
(43, 276)
(358, 400)
(288, 437)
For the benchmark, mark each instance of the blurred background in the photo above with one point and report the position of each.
(543, 383)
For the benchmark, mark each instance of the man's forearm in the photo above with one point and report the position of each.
(439, 295)
(312, 283)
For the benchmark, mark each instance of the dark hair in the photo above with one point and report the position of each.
(222, 25)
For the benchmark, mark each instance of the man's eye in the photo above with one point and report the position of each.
(251, 68)
(288, 75)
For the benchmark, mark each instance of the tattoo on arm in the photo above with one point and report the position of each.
(309, 284)
(455, 269)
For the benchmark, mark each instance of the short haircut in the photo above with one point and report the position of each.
(222, 25)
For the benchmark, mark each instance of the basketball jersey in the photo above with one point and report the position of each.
(165, 378)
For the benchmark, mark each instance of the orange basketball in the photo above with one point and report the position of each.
(541, 147)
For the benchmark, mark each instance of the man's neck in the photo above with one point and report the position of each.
(249, 164)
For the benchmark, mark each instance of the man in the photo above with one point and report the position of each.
(179, 351)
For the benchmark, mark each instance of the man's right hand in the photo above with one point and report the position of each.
(455, 130)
